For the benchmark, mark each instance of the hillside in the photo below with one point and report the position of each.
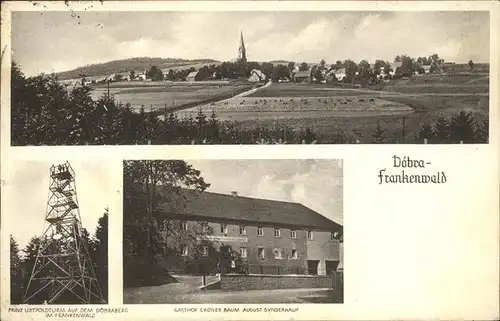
(126, 65)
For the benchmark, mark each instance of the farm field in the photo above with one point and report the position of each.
(355, 113)
(157, 95)
(248, 108)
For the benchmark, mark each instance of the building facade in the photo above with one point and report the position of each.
(193, 76)
(303, 76)
(229, 233)
(256, 76)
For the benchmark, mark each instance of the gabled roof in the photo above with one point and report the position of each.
(242, 44)
(339, 71)
(426, 67)
(302, 73)
(206, 205)
(192, 74)
(258, 73)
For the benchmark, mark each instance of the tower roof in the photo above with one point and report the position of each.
(242, 43)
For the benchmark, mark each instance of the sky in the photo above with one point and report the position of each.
(56, 41)
(27, 191)
(317, 184)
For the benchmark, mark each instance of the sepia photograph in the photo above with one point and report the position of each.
(249, 77)
(233, 231)
(59, 248)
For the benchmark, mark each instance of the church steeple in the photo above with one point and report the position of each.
(242, 52)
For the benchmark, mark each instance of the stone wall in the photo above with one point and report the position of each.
(268, 282)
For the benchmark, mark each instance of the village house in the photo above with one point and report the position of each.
(111, 78)
(100, 80)
(256, 76)
(302, 76)
(268, 236)
(340, 74)
(394, 67)
(193, 76)
(124, 76)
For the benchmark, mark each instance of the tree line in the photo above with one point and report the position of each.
(22, 260)
(361, 72)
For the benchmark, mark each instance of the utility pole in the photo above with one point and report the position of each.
(108, 87)
(404, 125)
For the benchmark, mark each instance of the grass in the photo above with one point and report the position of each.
(427, 108)
(158, 95)
(316, 106)
(251, 108)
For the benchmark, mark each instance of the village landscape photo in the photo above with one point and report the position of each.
(271, 232)
(58, 237)
(284, 77)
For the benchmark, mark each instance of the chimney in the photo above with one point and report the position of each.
(234, 193)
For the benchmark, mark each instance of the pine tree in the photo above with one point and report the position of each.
(309, 136)
(201, 120)
(16, 277)
(425, 132)
(379, 134)
(100, 252)
(441, 130)
(462, 127)
(30, 254)
(214, 126)
(142, 127)
(482, 132)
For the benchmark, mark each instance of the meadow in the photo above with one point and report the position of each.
(161, 95)
(397, 107)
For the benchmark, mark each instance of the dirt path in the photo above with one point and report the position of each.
(249, 92)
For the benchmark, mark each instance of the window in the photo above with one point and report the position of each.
(260, 231)
(277, 254)
(223, 228)
(294, 253)
(184, 226)
(277, 232)
(260, 253)
(204, 227)
(334, 235)
(293, 234)
(205, 250)
(309, 235)
(243, 230)
(243, 252)
(184, 250)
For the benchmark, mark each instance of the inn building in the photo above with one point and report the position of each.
(259, 236)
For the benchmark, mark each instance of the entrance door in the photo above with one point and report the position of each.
(225, 259)
(312, 267)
